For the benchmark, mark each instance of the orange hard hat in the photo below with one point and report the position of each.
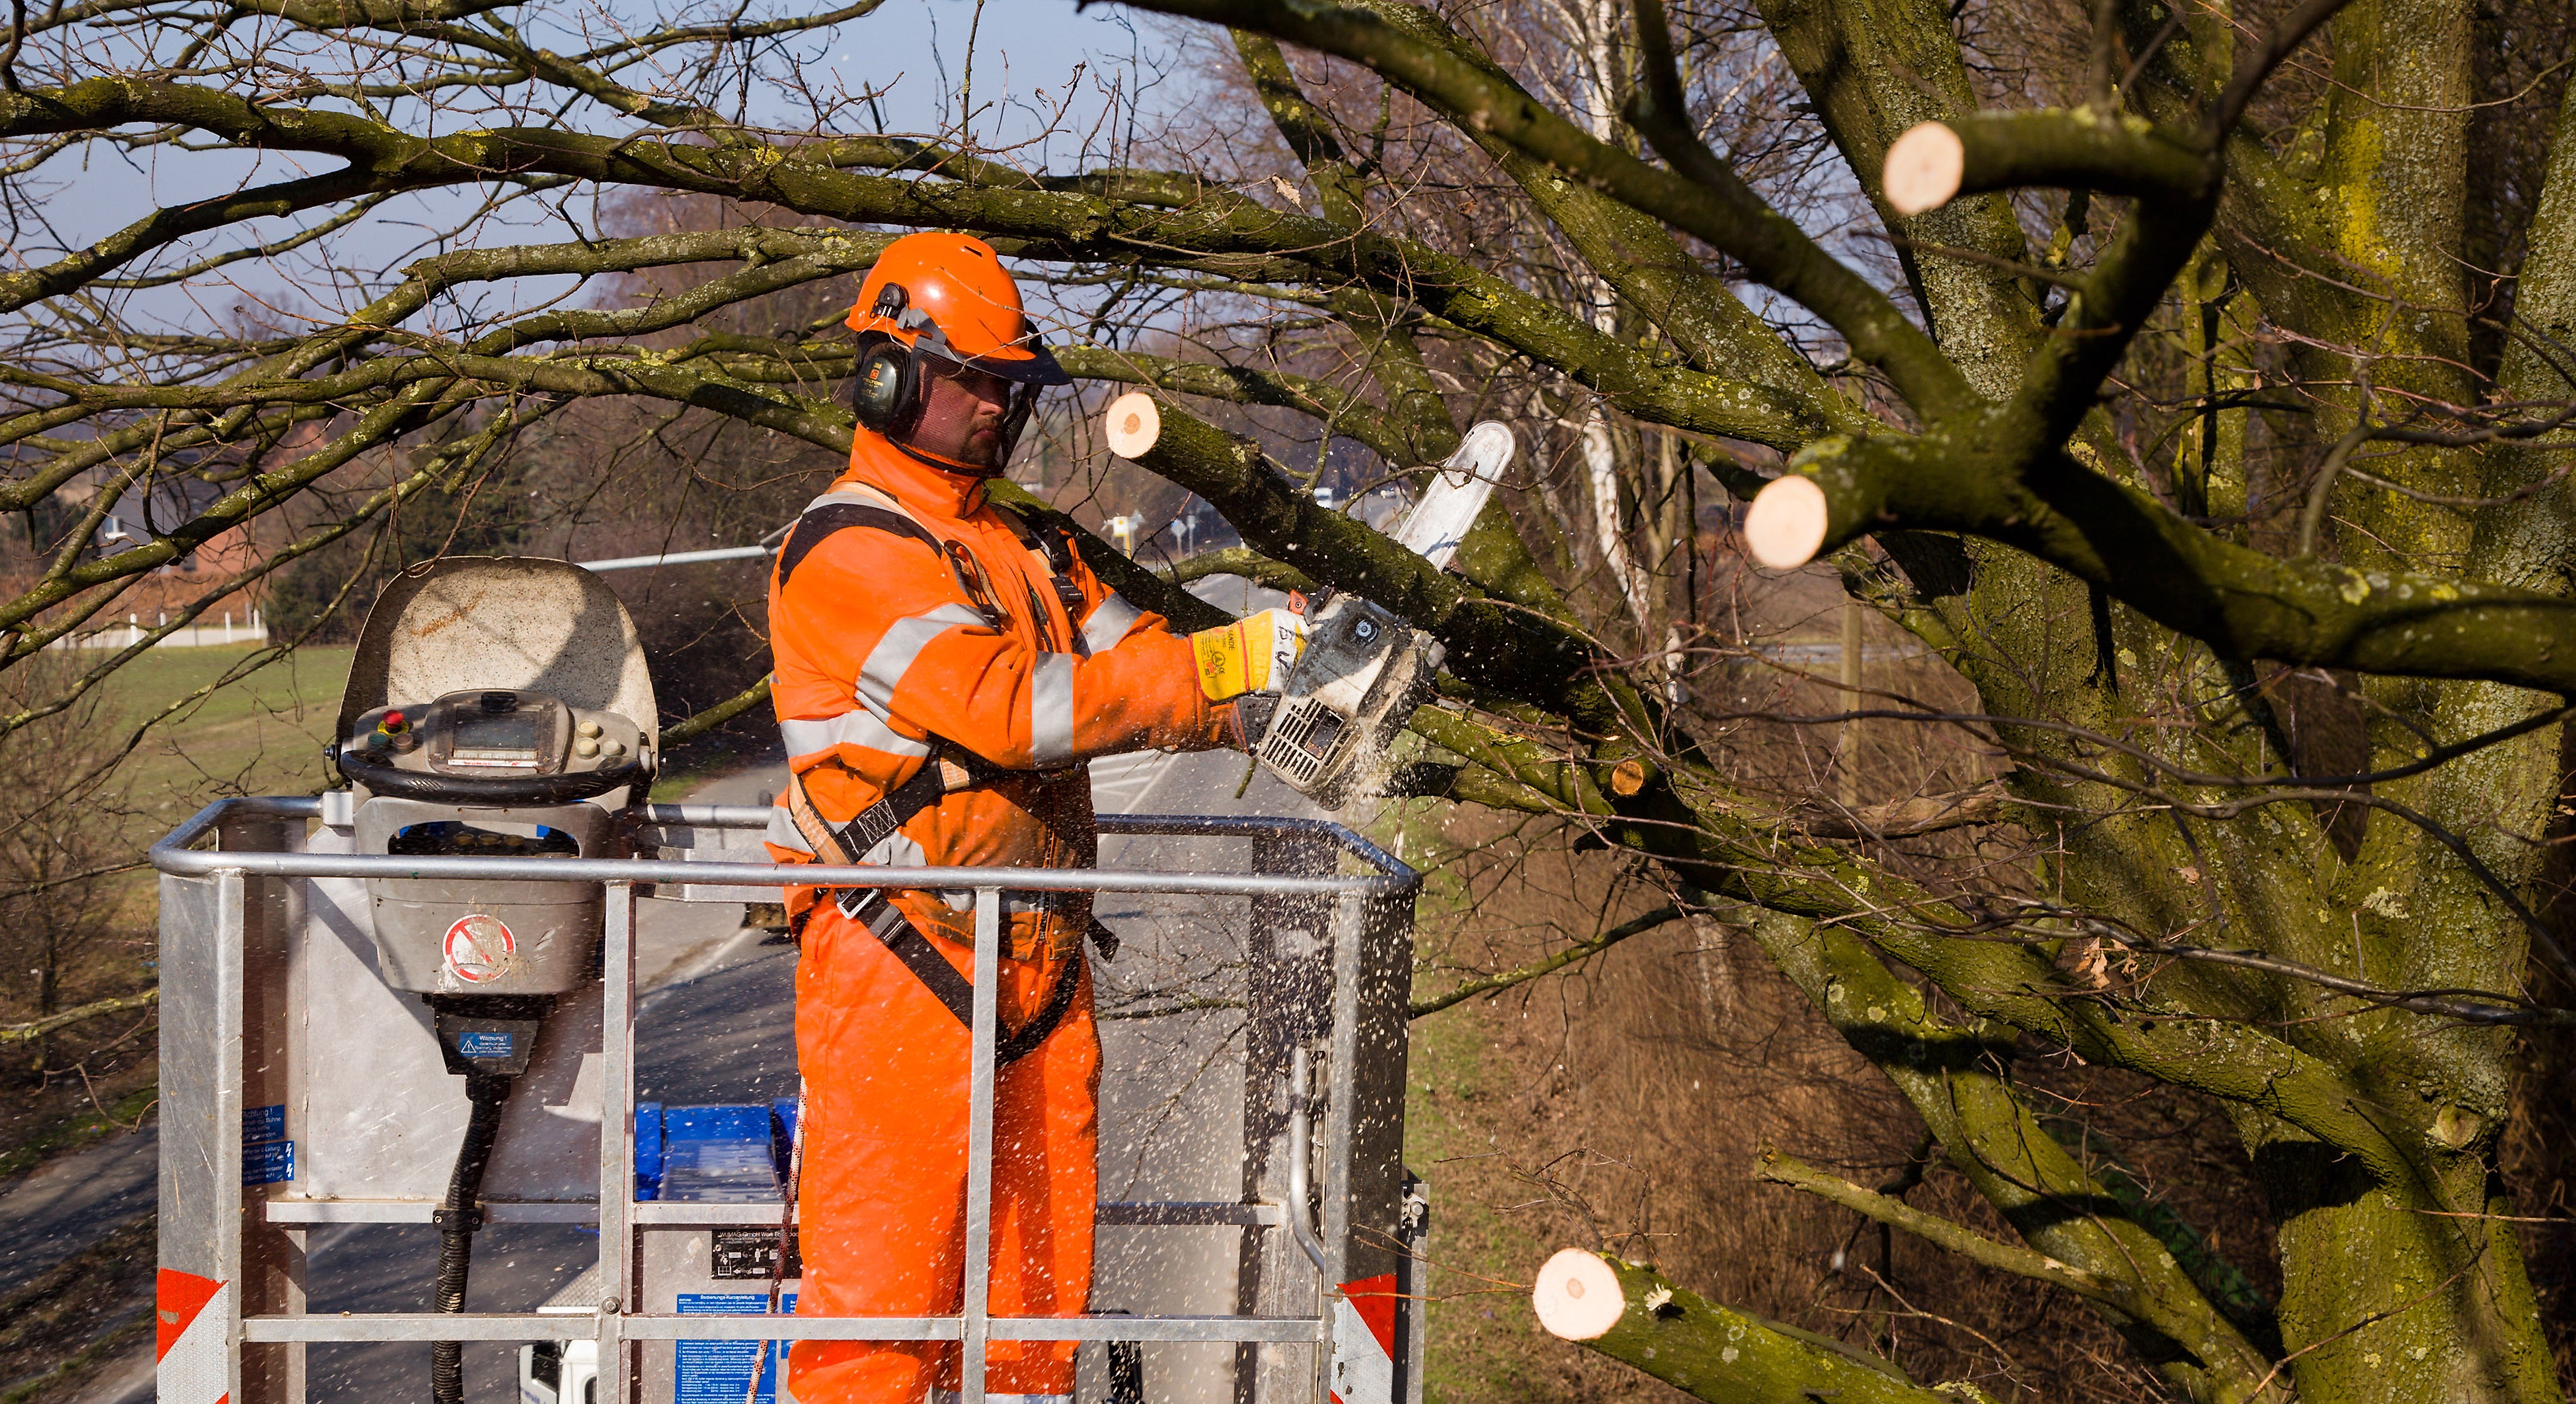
(948, 294)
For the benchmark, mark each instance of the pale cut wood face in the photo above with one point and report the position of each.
(1577, 1296)
(1786, 523)
(1923, 168)
(1132, 424)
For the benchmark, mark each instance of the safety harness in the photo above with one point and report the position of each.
(949, 768)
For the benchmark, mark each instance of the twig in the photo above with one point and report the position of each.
(1632, 927)
(1238, 560)
(1928, 814)
(2313, 515)
(1780, 1169)
(681, 733)
(38, 1028)
(2287, 36)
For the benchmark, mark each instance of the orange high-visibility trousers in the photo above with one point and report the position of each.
(882, 1196)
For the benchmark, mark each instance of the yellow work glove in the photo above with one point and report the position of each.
(1252, 654)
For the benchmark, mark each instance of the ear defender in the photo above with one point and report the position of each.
(886, 393)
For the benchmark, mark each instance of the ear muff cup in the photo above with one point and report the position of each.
(890, 390)
(886, 392)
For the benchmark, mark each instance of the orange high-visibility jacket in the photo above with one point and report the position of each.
(881, 644)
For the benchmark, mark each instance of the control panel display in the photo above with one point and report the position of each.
(517, 738)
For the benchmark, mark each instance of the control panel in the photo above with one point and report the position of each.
(494, 734)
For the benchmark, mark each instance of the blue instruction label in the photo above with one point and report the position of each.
(263, 1124)
(486, 1043)
(268, 1163)
(720, 1372)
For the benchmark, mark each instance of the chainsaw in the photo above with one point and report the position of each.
(1365, 669)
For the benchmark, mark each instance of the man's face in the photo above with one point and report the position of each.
(961, 413)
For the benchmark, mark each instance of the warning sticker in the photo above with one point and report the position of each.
(268, 1163)
(268, 1158)
(480, 948)
(720, 1372)
(747, 1254)
(486, 1043)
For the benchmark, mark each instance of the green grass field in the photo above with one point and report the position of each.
(262, 735)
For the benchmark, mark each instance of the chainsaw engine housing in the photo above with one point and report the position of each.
(1362, 674)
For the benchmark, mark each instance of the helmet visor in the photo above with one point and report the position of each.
(969, 416)
(1022, 363)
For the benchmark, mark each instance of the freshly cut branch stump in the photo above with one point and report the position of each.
(1132, 424)
(1924, 168)
(1785, 526)
(1631, 1314)
(1577, 1296)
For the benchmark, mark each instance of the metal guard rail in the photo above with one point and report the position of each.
(611, 1324)
(175, 854)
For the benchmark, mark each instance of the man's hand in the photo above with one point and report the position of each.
(1252, 654)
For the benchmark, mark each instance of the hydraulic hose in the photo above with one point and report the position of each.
(457, 1220)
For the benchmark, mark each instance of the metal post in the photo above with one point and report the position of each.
(200, 1218)
(979, 1143)
(1287, 999)
(1364, 1167)
(230, 888)
(617, 1139)
(272, 1259)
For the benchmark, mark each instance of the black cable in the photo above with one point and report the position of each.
(457, 1220)
(383, 778)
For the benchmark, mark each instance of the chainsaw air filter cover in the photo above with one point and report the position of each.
(1362, 674)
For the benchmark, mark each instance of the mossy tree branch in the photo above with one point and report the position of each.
(1635, 1315)
(2241, 602)
(1717, 206)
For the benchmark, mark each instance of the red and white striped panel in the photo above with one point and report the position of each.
(190, 1341)
(1364, 1341)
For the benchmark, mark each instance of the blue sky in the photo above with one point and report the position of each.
(913, 54)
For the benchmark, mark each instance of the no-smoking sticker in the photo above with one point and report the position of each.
(479, 948)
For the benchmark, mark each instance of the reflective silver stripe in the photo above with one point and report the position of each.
(782, 832)
(963, 898)
(1109, 622)
(895, 851)
(851, 728)
(856, 495)
(903, 642)
(950, 1396)
(1051, 709)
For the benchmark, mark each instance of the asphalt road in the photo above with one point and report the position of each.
(67, 1203)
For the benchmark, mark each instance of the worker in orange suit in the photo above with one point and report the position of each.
(943, 672)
